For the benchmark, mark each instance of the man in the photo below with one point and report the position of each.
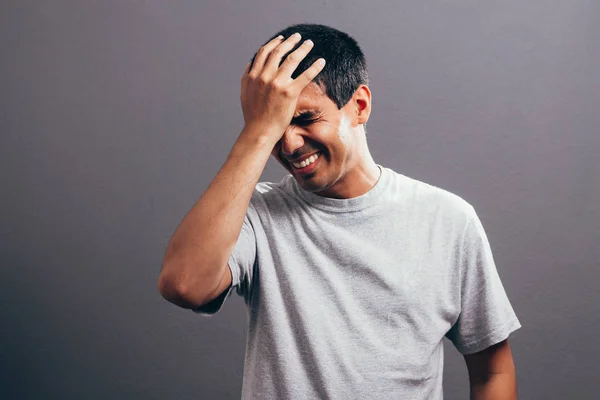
(352, 273)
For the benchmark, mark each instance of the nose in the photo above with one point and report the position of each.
(291, 141)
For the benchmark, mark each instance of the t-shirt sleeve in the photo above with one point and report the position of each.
(486, 315)
(241, 263)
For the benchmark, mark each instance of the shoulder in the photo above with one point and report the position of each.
(434, 208)
(267, 189)
(272, 197)
(436, 200)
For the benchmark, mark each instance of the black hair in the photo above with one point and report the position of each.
(345, 68)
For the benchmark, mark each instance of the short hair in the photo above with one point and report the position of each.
(345, 68)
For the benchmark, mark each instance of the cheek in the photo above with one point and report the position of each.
(332, 138)
(344, 138)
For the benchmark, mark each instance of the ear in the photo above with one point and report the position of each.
(361, 102)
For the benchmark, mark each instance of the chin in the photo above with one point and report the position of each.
(310, 186)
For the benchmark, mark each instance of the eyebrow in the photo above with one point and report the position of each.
(306, 115)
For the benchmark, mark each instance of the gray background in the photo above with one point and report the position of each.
(116, 115)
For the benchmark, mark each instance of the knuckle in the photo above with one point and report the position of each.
(293, 58)
(277, 85)
(262, 80)
(288, 92)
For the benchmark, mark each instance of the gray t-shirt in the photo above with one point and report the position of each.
(351, 298)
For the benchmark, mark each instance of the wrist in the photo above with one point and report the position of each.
(256, 138)
(261, 134)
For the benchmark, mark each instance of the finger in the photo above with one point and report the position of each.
(276, 55)
(307, 76)
(263, 53)
(293, 59)
(246, 70)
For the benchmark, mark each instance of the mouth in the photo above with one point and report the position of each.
(308, 165)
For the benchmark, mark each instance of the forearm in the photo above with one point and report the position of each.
(502, 386)
(198, 251)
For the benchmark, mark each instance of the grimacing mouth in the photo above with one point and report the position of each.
(288, 163)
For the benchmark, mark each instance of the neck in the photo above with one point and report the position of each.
(358, 180)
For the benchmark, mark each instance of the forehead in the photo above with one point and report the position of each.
(313, 98)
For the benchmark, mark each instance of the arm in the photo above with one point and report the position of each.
(195, 262)
(492, 373)
(196, 257)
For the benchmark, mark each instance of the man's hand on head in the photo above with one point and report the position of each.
(268, 93)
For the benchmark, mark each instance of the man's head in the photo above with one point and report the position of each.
(346, 66)
(330, 116)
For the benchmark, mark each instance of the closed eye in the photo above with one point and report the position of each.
(306, 118)
(303, 122)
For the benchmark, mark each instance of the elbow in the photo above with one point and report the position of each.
(168, 288)
(175, 291)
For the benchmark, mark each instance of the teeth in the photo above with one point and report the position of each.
(306, 162)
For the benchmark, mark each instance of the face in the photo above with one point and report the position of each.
(319, 128)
